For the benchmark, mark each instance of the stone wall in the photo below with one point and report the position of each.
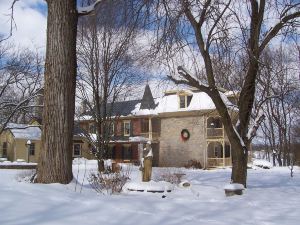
(176, 152)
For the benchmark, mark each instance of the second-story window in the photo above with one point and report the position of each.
(111, 129)
(184, 101)
(126, 128)
(92, 128)
(145, 125)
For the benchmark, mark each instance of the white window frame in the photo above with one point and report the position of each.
(185, 100)
(124, 124)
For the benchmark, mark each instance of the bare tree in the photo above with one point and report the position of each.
(277, 87)
(107, 67)
(21, 83)
(207, 29)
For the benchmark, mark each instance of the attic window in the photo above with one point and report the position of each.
(184, 101)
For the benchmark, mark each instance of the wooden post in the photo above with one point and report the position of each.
(150, 129)
(223, 145)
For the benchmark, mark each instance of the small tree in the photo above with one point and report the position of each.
(107, 68)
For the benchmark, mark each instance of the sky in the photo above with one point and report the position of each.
(31, 20)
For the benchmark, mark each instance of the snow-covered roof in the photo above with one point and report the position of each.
(170, 103)
(25, 131)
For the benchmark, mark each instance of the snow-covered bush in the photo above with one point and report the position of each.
(109, 182)
(171, 175)
(194, 164)
(262, 164)
(27, 176)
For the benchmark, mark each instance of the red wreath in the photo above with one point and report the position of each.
(185, 134)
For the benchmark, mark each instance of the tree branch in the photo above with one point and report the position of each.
(86, 10)
(274, 31)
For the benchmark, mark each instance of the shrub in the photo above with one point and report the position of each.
(171, 175)
(194, 164)
(109, 182)
(27, 176)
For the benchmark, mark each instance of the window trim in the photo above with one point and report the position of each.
(185, 100)
(112, 129)
(124, 127)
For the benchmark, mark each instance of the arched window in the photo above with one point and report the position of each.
(215, 150)
(214, 122)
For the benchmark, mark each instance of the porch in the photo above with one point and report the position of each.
(218, 154)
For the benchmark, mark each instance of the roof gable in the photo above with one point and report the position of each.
(147, 101)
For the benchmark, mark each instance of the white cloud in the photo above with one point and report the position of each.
(30, 22)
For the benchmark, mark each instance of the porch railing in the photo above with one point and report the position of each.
(214, 132)
(155, 135)
(217, 162)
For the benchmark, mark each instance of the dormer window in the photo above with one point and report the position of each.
(184, 101)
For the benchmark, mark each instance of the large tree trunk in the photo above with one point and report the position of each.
(55, 163)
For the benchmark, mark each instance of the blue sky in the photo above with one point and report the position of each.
(31, 20)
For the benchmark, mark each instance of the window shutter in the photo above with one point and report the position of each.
(122, 152)
(114, 152)
(122, 128)
(131, 128)
(131, 152)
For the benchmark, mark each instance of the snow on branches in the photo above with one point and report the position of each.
(88, 9)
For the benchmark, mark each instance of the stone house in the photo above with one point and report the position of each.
(183, 125)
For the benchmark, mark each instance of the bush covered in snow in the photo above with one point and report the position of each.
(27, 176)
(171, 175)
(262, 164)
(109, 182)
(194, 164)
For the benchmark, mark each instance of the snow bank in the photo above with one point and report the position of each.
(151, 186)
(272, 198)
(234, 186)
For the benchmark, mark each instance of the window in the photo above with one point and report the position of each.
(76, 150)
(32, 149)
(111, 152)
(214, 122)
(92, 128)
(4, 149)
(126, 128)
(111, 129)
(127, 152)
(218, 150)
(145, 125)
(184, 101)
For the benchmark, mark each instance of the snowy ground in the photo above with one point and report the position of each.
(272, 197)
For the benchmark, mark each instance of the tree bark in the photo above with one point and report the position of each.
(55, 162)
